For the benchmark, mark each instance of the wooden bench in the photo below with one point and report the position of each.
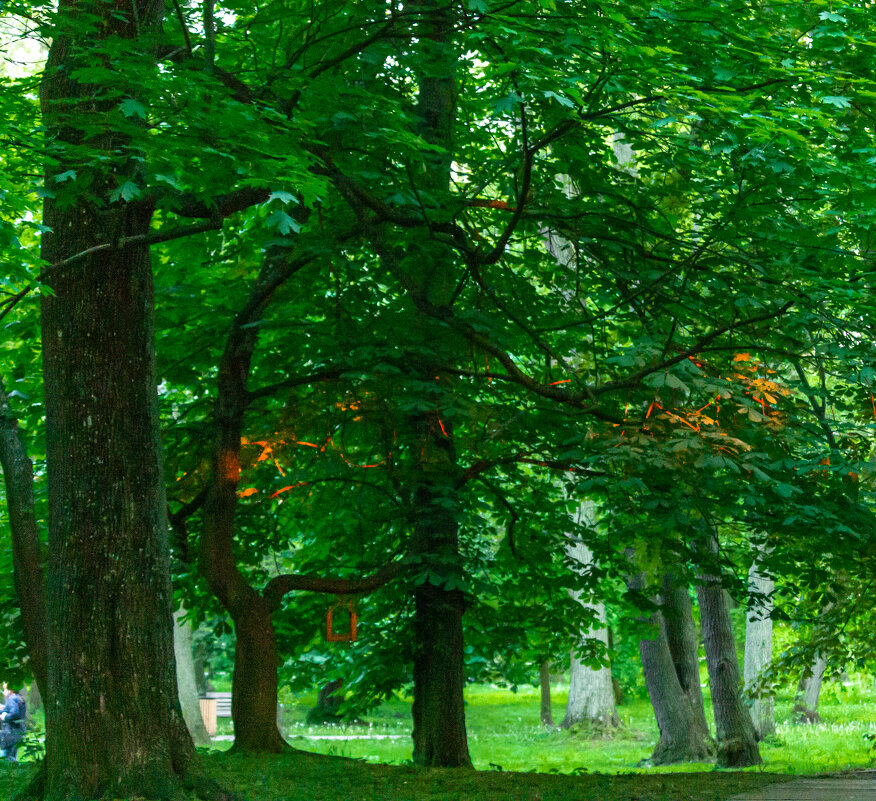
(218, 705)
(214, 705)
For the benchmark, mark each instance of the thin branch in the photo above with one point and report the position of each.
(125, 241)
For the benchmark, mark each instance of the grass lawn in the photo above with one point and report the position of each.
(505, 734)
(518, 760)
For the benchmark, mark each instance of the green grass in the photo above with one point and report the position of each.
(536, 764)
(504, 731)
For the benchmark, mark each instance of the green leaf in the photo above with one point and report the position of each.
(69, 175)
(133, 108)
(283, 223)
(127, 191)
(282, 196)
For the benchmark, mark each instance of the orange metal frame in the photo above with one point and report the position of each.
(341, 636)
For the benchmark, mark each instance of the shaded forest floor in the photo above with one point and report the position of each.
(308, 778)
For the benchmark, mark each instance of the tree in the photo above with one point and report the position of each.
(591, 692)
(734, 730)
(759, 650)
(186, 680)
(683, 734)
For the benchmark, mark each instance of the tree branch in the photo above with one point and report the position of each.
(279, 586)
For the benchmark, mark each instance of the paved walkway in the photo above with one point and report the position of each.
(851, 787)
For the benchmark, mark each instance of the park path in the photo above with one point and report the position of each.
(850, 787)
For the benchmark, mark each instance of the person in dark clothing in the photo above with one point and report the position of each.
(13, 720)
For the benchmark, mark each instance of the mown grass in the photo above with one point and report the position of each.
(519, 760)
(505, 734)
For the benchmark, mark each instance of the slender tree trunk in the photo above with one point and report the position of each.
(808, 691)
(737, 742)
(591, 693)
(27, 556)
(187, 681)
(544, 681)
(682, 738)
(681, 634)
(759, 650)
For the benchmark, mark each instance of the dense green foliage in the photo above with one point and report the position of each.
(648, 282)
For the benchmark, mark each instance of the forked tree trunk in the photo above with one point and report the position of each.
(186, 680)
(759, 650)
(544, 681)
(681, 634)
(734, 730)
(682, 737)
(808, 692)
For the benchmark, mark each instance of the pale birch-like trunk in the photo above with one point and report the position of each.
(591, 694)
(808, 691)
(186, 680)
(759, 650)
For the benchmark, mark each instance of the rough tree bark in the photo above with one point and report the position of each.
(682, 738)
(187, 682)
(681, 634)
(759, 650)
(113, 722)
(734, 730)
(544, 681)
(27, 556)
(439, 733)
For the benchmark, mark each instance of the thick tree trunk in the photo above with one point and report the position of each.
(682, 736)
(186, 680)
(591, 693)
(759, 650)
(255, 684)
(27, 556)
(439, 733)
(113, 721)
(544, 682)
(681, 634)
(808, 691)
(737, 742)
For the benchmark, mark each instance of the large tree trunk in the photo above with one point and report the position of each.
(439, 733)
(255, 684)
(591, 693)
(682, 737)
(808, 691)
(737, 742)
(759, 650)
(187, 682)
(544, 681)
(681, 634)
(113, 721)
(27, 557)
